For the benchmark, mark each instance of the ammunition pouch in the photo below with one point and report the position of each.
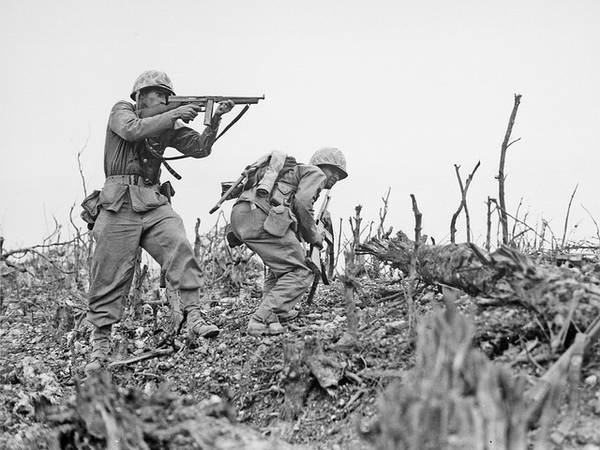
(91, 208)
(232, 239)
(279, 220)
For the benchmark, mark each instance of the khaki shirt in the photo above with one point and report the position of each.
(125, 154)
(299, 188)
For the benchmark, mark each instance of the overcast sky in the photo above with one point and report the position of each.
(406, 89)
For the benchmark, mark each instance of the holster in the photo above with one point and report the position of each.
(167, 190)
(91, 208)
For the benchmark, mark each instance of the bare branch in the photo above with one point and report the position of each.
(87, 139)
(541, 236)
(488, 235)
(562, 244)
(463, 203)
(584, 208)
(35, 247)
(383, 213)
(512, 142)
(501, 177)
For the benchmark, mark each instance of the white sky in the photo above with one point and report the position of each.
(406, 89)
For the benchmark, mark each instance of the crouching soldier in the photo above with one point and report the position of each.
(273, 225)
(133, 211)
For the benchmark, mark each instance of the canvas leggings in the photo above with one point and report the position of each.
(118, 235)
(288, 277)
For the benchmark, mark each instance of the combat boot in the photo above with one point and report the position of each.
(260, 327)
(288, 315)
(100, 348)
(198, 326)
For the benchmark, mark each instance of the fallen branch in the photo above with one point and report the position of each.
(144, 356)
(35, 247)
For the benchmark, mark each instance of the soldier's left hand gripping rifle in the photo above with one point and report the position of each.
(323, 269)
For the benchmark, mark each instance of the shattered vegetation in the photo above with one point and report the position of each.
(495, 358)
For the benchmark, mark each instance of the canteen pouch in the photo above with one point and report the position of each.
(91, 208)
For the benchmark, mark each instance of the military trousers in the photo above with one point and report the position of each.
(288, 277)
(118, 235)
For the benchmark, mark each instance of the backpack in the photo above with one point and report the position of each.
(262, 174)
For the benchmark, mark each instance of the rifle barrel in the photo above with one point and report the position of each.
(202, 99)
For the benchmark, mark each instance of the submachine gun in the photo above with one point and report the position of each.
(206, 102)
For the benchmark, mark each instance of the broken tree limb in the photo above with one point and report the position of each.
(412, 272)
(501, 177)
(564, 237)
(353, 266)
(488, 235)
(463, 203)
(148, 355)
(350, 282)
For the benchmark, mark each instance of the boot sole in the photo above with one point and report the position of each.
(265, 332)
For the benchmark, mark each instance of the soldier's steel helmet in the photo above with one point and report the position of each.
(332, 157)
(152, 78)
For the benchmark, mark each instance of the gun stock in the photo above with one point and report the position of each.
(235, 184)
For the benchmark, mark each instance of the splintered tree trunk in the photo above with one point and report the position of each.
(455, 398)
(501, 176)
(297, 378)
(305, 361)
(454, 265)
(547, 290)
(349, 289)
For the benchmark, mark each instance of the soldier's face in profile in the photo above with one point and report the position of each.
(332, 175)
(152, 97)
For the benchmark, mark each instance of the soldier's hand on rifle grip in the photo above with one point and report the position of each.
(224, 107)
(187, 113)
(319, 244)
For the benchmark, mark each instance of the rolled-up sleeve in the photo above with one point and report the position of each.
(125, 123)
(311, 182)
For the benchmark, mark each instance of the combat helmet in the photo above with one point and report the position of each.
(330, 156)
(152, 78)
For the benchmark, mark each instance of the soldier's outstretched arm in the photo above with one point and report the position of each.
(311, 182)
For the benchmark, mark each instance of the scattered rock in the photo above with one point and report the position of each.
(396, 326)
(592, 380)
